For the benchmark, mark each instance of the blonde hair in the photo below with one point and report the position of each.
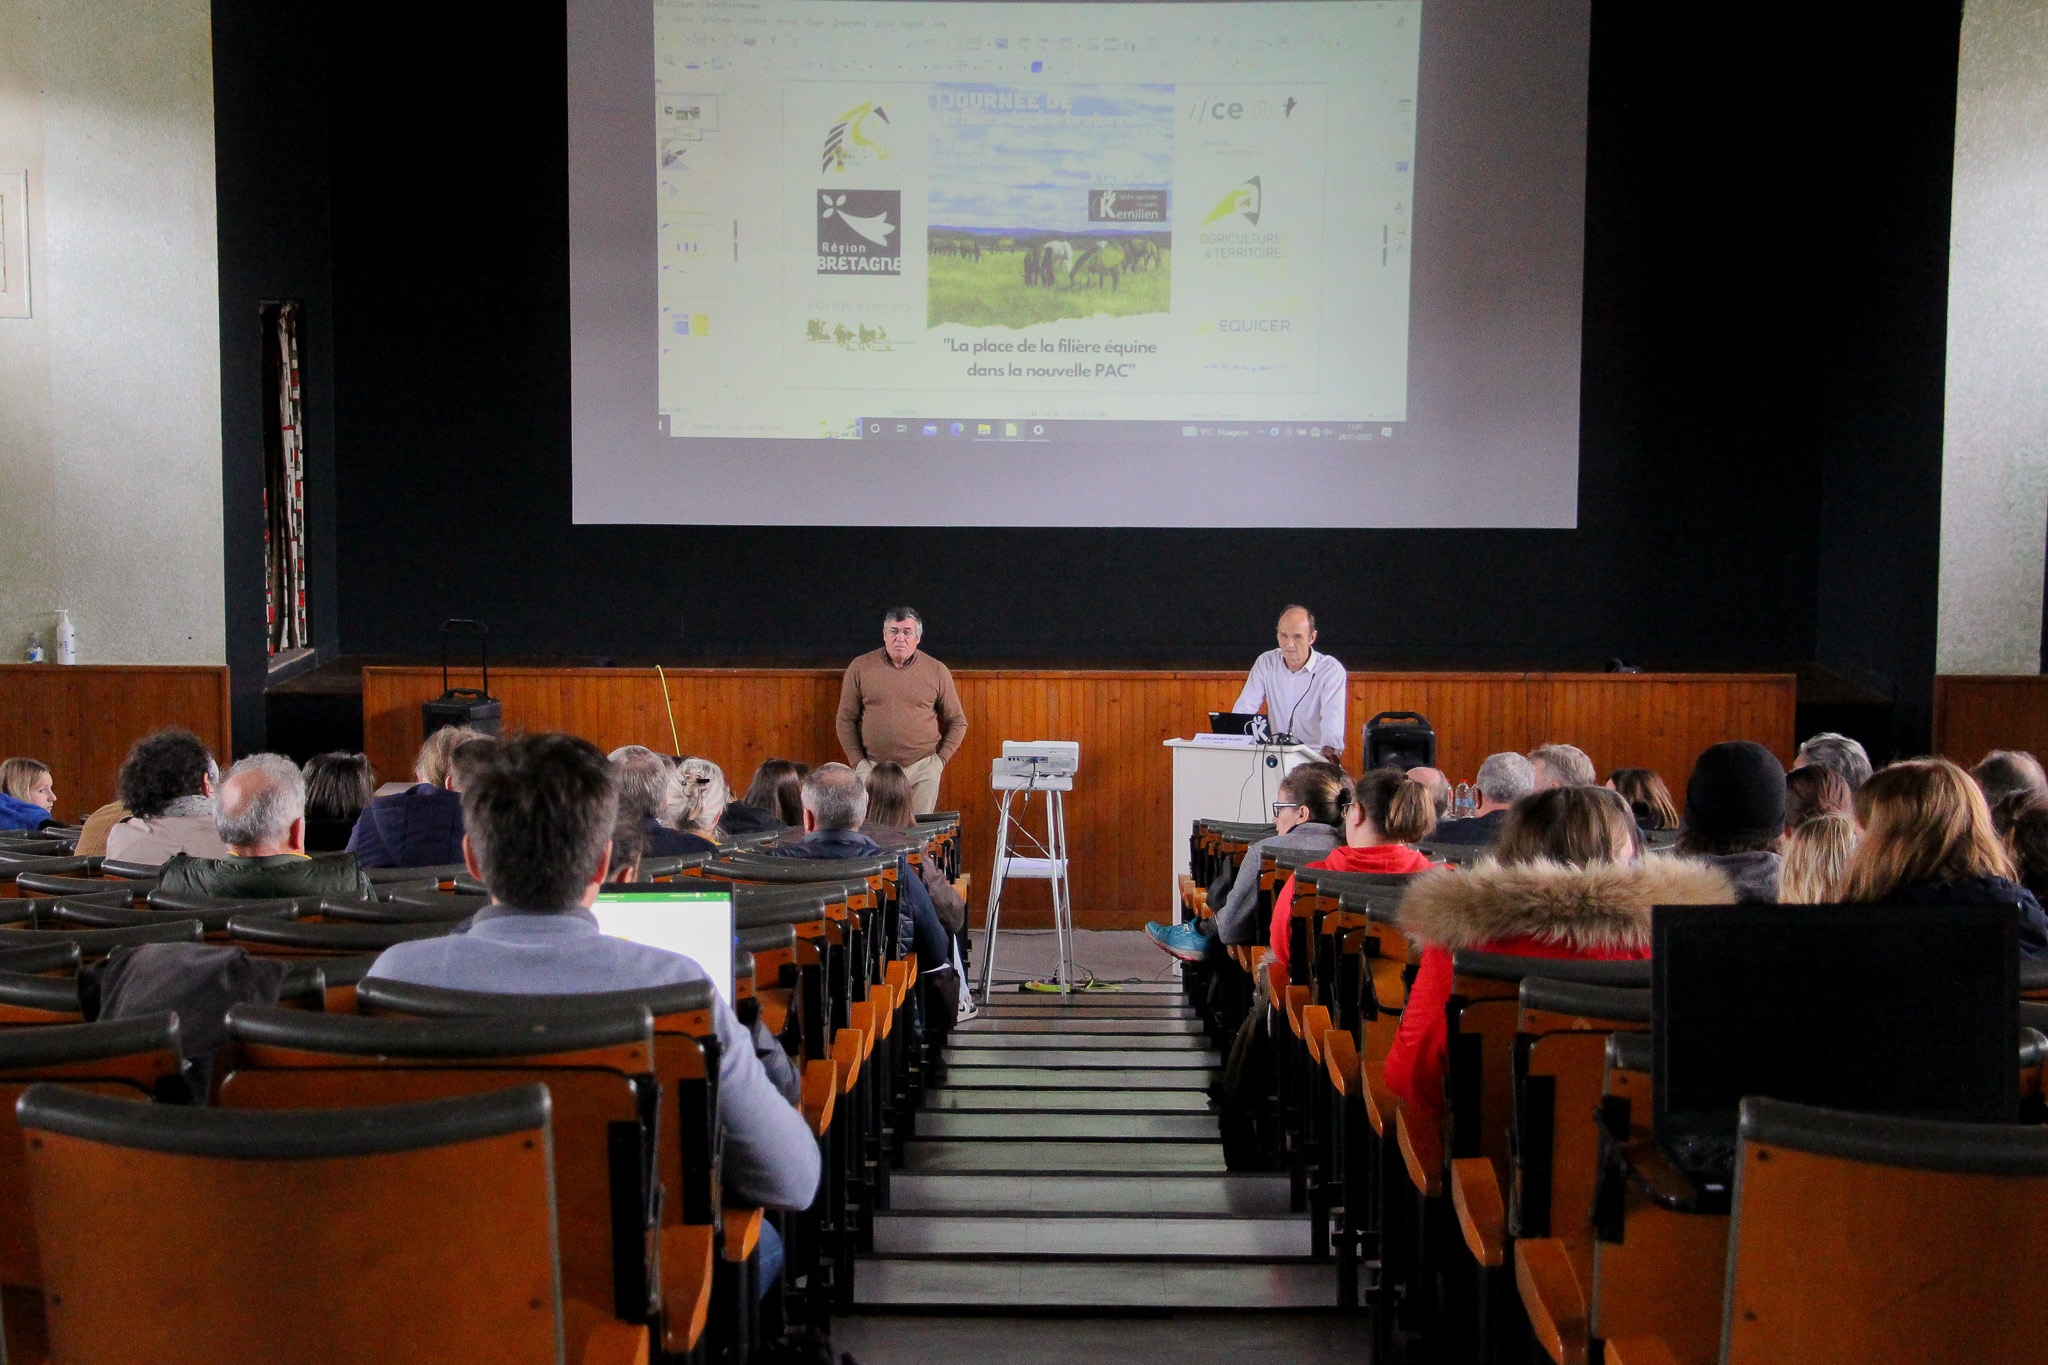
(1578, 826)
(1816, 855)
(431, 767)
(697, 795)
(18, 776)
(1925, 820)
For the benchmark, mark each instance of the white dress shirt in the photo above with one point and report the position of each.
(1308, 705)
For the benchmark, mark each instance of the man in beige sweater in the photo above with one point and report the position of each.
(898, 704)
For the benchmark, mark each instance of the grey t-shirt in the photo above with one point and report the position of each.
(1236, 920)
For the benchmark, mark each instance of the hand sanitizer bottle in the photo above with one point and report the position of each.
(67, 638)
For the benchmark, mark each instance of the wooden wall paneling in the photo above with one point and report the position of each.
(1974, 714)
(1664, 721)
(1473, 714)
(81, 719)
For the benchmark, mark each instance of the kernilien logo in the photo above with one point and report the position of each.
(857, 139)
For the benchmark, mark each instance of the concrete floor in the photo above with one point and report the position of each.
(1181, 1338)
(1123, 955)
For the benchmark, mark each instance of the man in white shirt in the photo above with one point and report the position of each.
(1302, 691)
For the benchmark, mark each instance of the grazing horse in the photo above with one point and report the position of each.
(1098, 261)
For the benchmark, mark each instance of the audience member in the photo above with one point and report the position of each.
(1437, 785)
(898, 702)
(890, 817)
(260, 815)
(699, 798)
(1503, 780)
(1928, 839)
(422, 825)
(1569, 883)
(2027, 837)
(1649, 800)
(166, 784)
(1839, 753)
(2003, 771)
(774, 799)
(1735, 816)
(1309, 813)
(28, 794)
(1816, 851)
(650, 793)
(1386, 814)
(1562, 765)
(339, 787)
(540, 815)
(629, 846)
(1814, 791)
(834, 803)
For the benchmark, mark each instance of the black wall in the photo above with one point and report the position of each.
(1767, 215)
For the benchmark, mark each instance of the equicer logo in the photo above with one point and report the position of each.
(857, 138)
(1243, 200)
(860, 232)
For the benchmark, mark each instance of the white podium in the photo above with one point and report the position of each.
(1224, 782)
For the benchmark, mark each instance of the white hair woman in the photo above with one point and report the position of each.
(698, 797)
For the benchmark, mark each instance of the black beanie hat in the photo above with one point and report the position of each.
(1736, 792)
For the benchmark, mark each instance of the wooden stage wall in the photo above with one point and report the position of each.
(1119, 813)
(1975, 714)
(80, 719)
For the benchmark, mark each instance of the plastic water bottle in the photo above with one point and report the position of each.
(1461, 801)
(67, 638)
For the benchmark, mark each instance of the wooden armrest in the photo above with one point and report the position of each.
(774, 1009)
(685, 1284)
(1639, 1351)
(1482, 1217)
(1372, 1070)
(860, 1016)
(1553, 1297)
(821, 1094)
(963, 884)
(1340, 1059)
(884, 1000)
(616, 1343)
(1275, 982)
(1315, 1022)
(1421, 1137)
(849, 1047)
(742, 1232)
(1297, 1001)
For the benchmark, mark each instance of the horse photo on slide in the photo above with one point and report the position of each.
(1018, 279)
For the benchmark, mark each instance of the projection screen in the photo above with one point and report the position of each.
(890, 262)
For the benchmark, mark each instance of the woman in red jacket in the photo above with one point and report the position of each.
(1569, 882)
(1387, 813)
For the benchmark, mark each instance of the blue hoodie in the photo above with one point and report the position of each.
(18, 814)
(418, 827)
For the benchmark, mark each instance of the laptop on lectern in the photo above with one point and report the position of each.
(1883, 1009)
(697, 924)
(1238, 723)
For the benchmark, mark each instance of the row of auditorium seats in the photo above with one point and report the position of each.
(1539, 1216)
(427, 1163)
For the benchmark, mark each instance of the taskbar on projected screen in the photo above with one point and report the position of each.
(1027, 430)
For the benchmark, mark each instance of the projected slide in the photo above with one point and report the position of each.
(924, 223)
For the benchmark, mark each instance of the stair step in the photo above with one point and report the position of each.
(947, 1156)
(976, 1076)
(1128, 998)
(1152, 1007)
(1223, 1196)
(923, 1235)
(1124, 1058)
(1088, 1283)
(981, 1101)
(984, 1025)
(1104, 1127)
(1150, 1042)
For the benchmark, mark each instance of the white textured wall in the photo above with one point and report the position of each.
(110, 491)
(1994, 494)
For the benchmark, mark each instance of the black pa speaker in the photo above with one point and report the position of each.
(469, 706)
(1399, 739)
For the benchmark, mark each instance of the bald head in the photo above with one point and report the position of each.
(260, 809)
(1297, 636)
(834, 798)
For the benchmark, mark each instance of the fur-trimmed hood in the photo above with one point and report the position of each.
(1590, 909)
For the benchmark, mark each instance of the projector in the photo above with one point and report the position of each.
(1038, 758)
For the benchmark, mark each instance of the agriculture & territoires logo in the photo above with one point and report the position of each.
(860, 232)
(1242, 200)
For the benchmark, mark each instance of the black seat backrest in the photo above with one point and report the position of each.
(385, 996)
(1633, 974)
(261, 931)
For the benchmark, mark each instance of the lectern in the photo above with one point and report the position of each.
(1225, 777)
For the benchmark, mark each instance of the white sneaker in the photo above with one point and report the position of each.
(967, 1010)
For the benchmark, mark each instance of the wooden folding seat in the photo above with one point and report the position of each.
(598, 1066)
(410, 1233)
(1560, 1063)
(1861, 1239)
(129, 1058)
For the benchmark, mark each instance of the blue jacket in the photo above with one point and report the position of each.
(663, 842)
(771, 1157)
(1985, 891)
(418, 827)
(18, 814)
(934, 945)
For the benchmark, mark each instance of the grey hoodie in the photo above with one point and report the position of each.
(1237, 920)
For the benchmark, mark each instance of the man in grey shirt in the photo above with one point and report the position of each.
(538, 821)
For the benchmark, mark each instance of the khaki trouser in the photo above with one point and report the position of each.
(924, 781)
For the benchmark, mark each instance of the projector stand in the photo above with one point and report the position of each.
(1048, 862)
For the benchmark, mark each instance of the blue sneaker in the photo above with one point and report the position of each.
(1184, 941)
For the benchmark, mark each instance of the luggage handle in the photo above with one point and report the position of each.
(483, 633)
(1395, 715)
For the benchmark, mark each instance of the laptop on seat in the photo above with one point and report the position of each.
(1909, 1010)
(696, 923)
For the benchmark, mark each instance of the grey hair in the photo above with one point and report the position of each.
(1568, 762)
(697, 794)
(1506, 778)
(266, 814)
(1839, 753)
(837, 797)
(895, 614)
(644, 779)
